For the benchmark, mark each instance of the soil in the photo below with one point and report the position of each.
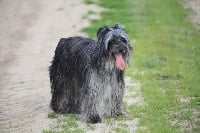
(29, 33)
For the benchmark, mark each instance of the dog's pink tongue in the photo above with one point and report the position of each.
(119, 61)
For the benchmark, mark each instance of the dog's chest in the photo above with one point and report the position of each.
(109, 65)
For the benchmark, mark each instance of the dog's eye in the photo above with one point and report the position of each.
(123, 40)
(112, 41)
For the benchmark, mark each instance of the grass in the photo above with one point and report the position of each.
(166, 62)
(65, 124)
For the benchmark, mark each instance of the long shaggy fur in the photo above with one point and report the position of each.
(84, 76)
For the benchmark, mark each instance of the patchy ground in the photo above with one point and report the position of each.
(29, 33)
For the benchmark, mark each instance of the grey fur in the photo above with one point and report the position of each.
(84, 76)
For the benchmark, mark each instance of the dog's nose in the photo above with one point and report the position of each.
(122, 50)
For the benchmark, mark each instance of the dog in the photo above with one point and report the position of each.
(87, 76)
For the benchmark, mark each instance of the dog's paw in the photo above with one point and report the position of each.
(95, 119)
(122, 114)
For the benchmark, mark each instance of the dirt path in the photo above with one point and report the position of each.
(29, 32)
(194, 5)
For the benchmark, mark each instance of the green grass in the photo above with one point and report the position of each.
(166, 62)
(90, 1)
(65, 124)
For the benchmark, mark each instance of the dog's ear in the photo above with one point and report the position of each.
(102, 31)
(118, 26)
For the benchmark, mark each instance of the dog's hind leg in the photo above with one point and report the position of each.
(59, 100)
(63, 97)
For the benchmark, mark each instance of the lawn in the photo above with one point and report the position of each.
(166, 63)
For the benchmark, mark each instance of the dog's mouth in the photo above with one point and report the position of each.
(119, 61)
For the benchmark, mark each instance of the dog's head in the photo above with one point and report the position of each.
(114, 41)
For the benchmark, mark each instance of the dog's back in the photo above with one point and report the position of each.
(74, 45)
(74, 51)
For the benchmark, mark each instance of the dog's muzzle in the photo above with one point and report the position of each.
(118, 52)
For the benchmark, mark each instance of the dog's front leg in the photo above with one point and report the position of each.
(90, 105)
(117, 99)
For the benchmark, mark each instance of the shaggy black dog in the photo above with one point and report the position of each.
(86, 75)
